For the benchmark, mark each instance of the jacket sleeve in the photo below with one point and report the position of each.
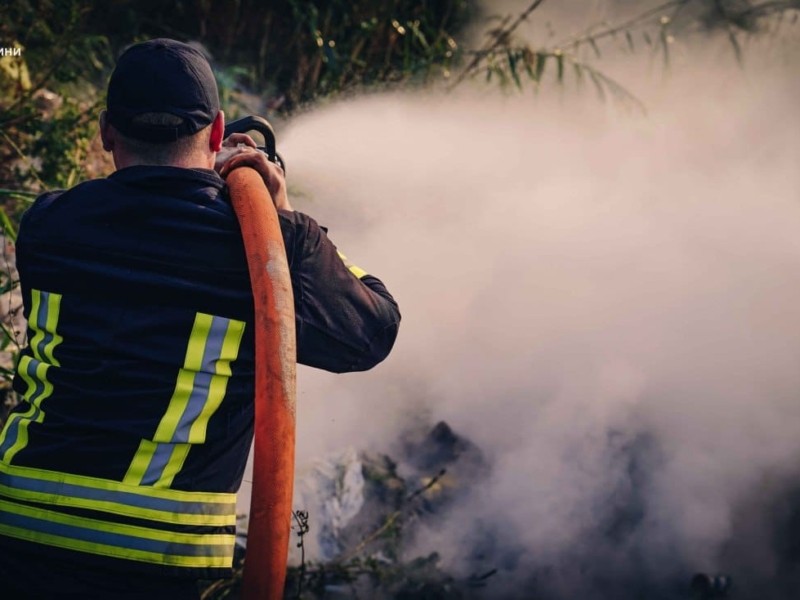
(346, 319)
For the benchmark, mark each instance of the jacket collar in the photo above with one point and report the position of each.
(156, 176)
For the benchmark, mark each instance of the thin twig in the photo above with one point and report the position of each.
(765, 7)
(499, 38)
(614, 29)
(11, 335)
(616, 88)
(301, 517)
(391, 519)
(209, 592)
(434, 480)
(20, 193)
(25, 158)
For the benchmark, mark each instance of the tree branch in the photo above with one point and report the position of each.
(499, 38)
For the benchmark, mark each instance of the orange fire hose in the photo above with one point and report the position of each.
(275, 363)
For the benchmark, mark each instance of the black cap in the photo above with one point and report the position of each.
(164, 76)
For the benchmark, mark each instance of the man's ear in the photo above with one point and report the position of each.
(217, 132)
(106, 132)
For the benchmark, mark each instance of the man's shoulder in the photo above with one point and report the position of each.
(46, 199)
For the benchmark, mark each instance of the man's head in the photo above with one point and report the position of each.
(163, 107)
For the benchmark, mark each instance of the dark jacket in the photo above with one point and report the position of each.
(137, 416)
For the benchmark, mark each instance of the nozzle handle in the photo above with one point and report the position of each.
(262, 126)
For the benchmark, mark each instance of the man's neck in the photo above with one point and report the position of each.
(123, 160)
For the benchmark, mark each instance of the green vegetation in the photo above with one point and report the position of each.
(289, 52)
(278, 57)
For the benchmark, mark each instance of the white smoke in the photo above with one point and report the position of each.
(608, 304)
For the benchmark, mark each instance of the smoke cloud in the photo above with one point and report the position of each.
(606, 303)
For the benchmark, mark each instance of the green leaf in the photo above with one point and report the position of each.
(418, 34)
(598, 84)
(560, 67)
(595, 47)
(8, 334)
(528, 58)
(28, 197)
(8, 285)
(578, 74)
(737, 49)
(629, 37)
(8, 226)
(502, 75)
(512, 67)
(541, 59)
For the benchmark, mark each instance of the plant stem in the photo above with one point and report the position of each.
(499, 37)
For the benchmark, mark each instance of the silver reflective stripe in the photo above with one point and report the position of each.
(50, 487)
(114, 539)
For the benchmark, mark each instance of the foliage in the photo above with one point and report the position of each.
(11, 336)
(47, 112)
(305, 49)
(509, 60)
(383, 573)
(45, 135)
(330, 47)
(50, 97)
(278, 56)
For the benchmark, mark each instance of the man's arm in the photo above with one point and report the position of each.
(346, 319)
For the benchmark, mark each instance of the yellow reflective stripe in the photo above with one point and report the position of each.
(147, 533)
(34, 414)
(197, 341)
(11, 423)
(22, 370)
(219, 384)
(116, 508)
(14, 437)
(41, 375)
(116, 486)
(192, 364)
(53, 311)
(216, 392)
(140, 462)
(199, 391)
(46, 326)
(106, 550)
(357, 271)
(132, 542)
(175, 464)
(177, 404)
(33, 322)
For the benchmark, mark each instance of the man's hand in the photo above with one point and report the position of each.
(239, 150)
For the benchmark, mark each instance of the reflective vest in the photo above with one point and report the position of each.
(136, 416)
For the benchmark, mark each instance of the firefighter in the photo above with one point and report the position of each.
(119, 468)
